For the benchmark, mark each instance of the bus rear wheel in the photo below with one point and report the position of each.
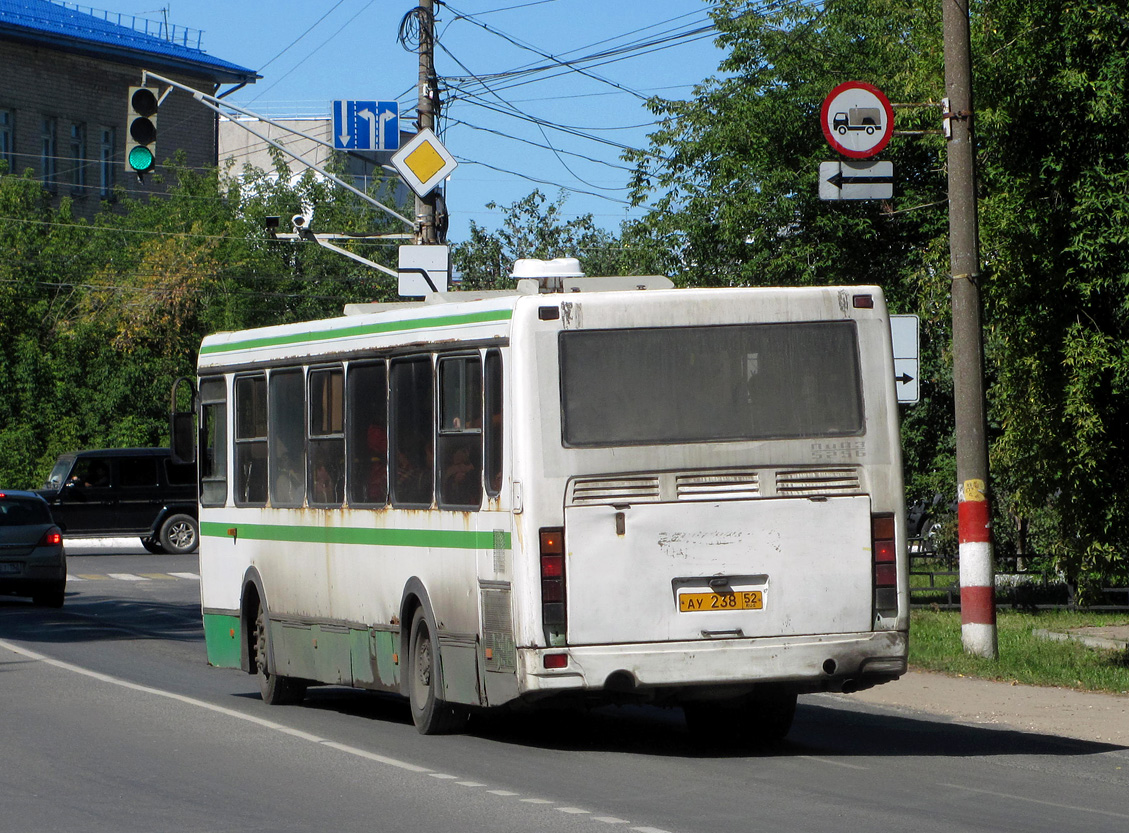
(431, 715)
(276, 690)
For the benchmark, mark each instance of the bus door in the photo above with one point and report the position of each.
(469, 478)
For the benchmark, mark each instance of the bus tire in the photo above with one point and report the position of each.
(275, 689)
(180, 534)
(430, 714)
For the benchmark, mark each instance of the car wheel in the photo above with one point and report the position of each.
(152, 545)
(180, 534)
(275, 689)
(431, 715)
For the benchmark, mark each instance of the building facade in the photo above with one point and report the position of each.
(66, 76)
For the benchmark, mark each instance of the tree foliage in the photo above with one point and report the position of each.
(99, 317)
(534, 227)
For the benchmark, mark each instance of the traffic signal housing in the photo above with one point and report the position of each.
(141, 130)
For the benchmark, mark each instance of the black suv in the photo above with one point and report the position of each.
(126, 491)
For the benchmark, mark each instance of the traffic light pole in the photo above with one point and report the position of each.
(213, 103)
(977, 578)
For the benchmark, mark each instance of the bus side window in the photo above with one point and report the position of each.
(213, 442)
(493, 424)
(460, 432)
(287, 440)
(413, 432)
(250, 440)
(366, 397)
(327, 437)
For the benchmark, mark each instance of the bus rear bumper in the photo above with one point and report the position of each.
(839, 662)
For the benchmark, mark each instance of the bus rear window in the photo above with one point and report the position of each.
(652, 386)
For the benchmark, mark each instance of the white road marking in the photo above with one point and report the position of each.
(1056, 804)
(833, 763)
(297, 733)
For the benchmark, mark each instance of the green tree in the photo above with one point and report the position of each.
(99, 317)
(534, 227)
(731, 175)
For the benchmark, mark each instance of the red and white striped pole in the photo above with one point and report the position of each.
(977, 591)
(977, 574)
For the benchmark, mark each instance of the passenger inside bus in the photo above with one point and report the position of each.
(461, 483)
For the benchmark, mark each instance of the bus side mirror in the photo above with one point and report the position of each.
(182, 426)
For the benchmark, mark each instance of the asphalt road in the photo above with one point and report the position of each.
(111, 720)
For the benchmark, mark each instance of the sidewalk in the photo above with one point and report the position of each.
(1063, 712)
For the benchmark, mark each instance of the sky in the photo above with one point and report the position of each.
(505, 130)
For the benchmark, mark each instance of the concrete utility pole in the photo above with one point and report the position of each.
(428, 111)
(977, 578)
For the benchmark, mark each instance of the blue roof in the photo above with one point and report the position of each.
(50, 24)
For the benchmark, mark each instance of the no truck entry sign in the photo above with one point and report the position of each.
(857, 119)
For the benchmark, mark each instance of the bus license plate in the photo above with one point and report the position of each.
(740, 600)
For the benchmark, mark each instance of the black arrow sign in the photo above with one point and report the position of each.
(905, 378)
(838, 180)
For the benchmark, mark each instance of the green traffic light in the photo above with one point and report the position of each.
(141, 159)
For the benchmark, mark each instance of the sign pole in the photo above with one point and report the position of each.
(977, 579)
(428, 110)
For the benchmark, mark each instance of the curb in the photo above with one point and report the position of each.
(1089, 641)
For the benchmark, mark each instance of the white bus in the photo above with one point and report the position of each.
(689, 497)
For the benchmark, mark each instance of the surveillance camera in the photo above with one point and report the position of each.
(299, 221)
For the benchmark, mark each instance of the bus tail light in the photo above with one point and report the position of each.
(885, 549)
(553, 616)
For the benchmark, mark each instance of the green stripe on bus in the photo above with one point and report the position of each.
(359, 330)
(439, 538)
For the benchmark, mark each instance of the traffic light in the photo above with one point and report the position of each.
(141, 130)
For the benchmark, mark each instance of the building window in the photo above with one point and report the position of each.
(49, 155)
(106, 167)
(78, 157)
(8, 139)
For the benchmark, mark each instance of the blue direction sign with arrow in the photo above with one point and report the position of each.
(366, 125)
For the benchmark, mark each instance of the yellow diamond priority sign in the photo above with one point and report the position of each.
(423, 162)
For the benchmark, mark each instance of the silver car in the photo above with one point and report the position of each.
(32, 560)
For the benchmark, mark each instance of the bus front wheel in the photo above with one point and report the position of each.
(276, 690)
(431, 715)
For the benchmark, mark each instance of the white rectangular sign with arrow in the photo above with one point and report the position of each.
(904, 331)
(856, 180)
